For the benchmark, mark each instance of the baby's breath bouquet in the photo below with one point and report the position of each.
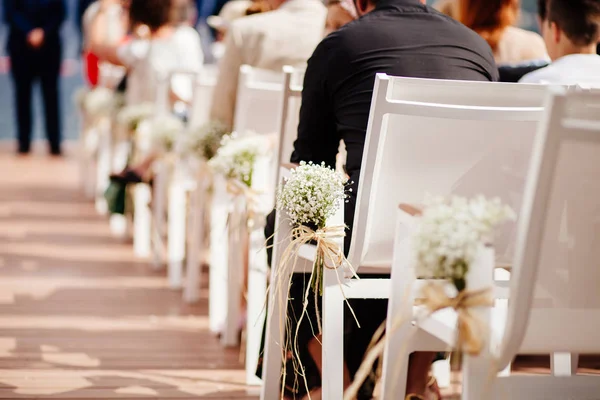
(311, 195)
(130, 116)
(98, 102)
(204, 141)
(79, 97)
(451, 232)
(236, 156)
(164, 131)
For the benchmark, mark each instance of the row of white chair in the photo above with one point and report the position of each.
(462, 138)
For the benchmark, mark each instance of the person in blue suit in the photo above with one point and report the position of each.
(34, 47)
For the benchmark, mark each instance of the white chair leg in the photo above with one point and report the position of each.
(141, 220)
(159, 201)
(398, 343)
(441, 372)
(191, 290)
(276, 317)
(103, 168)
(275, 338)
(332, 380)
(257, 287)
(564, 364)
(218, 258)
(176, 234)
(235, 272)
(478, 371)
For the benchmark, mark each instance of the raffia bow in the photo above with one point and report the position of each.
(251, 200)
(330, 255)
(471, 330)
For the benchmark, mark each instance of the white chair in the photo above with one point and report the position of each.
(259, 93)
(427, 118)
(199, 197)
(554, 303)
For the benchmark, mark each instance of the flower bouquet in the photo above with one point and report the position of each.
(164, 131)
(311, 195)
(236, 156)
(451, 233)
(204, 141)
(451, 238)
(131, 116)
(98, 102)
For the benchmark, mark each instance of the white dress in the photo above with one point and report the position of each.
(147, 60)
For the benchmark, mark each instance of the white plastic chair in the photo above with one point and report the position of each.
(259, 93)
(555, 302)
(199, 197)
(425, 114)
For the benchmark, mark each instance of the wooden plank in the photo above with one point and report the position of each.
(81, 317)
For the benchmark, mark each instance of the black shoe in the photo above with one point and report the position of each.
(55, 152)
(127, 176)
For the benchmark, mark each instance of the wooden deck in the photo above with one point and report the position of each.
(80, 317)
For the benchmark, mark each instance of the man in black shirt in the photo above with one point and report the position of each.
(399, 38)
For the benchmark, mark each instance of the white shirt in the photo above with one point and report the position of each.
(149, 59)
(574, 69)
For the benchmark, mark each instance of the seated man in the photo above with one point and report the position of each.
(571, 31)
(400, 38)
(286, 36)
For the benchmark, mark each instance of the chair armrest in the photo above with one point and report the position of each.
(411, 210)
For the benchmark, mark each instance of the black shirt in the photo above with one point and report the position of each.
(400, 38)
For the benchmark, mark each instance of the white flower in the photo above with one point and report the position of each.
(449, 234)
(98, 102)
(131, 116)
(312, 194)
(204, 141)
(80, 95)
(236, 157)
(164, 131)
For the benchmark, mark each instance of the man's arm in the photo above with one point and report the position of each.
(318, 140)
(16, 18)
(225, 93)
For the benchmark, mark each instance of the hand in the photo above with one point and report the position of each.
(35, 38)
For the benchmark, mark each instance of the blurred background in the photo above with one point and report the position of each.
(72, 77)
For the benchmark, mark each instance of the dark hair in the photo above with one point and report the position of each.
(489, 18)
(578, 19)
(542, 7)
(152, 13)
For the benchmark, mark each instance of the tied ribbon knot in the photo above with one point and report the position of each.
(328, 249)
(251, 200)
(470, 328)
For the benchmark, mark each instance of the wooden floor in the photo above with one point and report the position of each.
(80, 317)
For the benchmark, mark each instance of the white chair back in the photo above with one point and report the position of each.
(440, 138)
(290, 112)
(555, 301)
(202, 98)
(258, 97)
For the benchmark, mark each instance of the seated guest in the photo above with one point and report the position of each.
(493, 20)
(400, 38)
(286, 36)
(117, 25)
(160, 45)
(339, 13)
(571, 31)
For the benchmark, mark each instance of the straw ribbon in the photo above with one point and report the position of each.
(470, 328)
(237, 188)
